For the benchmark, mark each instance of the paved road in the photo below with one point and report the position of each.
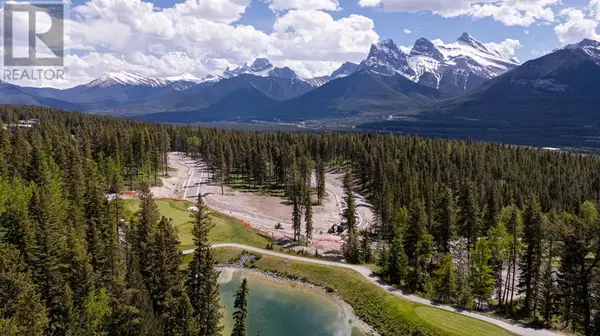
(368, 274)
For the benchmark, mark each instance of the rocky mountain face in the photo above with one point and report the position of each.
(453, 68)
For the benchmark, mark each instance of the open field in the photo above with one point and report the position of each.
(390, 314)
(226, 229)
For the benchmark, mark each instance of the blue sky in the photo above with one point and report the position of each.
(162, 38)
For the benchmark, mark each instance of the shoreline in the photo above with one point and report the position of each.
(346, 309)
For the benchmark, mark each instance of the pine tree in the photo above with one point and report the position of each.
(148, 217)
(445, 280)
(482, 274)
(209, 318)
(48, 210)
(445, 227)
(166, 280)
(202, 287)
(468, 216)
(500, 241)
(320, 180)
(22, 311)
(296, 217)
(397, 263)
(529, 279)
(366, 253)
(423, 255)
(308, 219)
(241, 314)
(351, 246)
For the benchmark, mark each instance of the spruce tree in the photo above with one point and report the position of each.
(468, 216)
(320, 181)
(529, 279)
(351, 246)
(202, 286)
(23, 312)
(482, 274)
(445, 280)
(240, 315)
(308, 219)
(366, 253)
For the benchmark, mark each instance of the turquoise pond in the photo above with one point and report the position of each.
(284, 308)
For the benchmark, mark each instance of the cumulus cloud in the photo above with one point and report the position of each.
(281, 5)
(202, 37)
(407, 31)
(576, 26)
(369, 3)
(507, 47)
(508, 12)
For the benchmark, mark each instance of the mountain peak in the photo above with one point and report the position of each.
(261, 64)
(385, 58)
(346, 69)
(259, 67)
(465, 37)
(590, 47)
(126, 78)
(424, 47)
(186, 77)
(585, 43)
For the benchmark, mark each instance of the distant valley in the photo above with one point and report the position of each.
(460, 89)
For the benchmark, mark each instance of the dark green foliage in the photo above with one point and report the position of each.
(240, 315)
(90, 270)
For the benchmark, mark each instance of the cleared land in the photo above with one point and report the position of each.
(226, 229)
(262, 210)
(391, 314)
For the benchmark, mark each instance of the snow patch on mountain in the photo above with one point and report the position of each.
(262, 67)
(429, 61)
(127, 78)
(186, 77)
(588, 46)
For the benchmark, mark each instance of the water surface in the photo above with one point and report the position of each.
(283, 308)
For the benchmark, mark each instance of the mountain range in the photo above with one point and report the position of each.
(463, 84)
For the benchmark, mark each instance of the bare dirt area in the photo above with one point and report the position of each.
(190, 178)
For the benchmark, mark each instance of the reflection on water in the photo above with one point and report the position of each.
(278, 309)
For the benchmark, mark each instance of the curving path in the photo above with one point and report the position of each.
(368, 274)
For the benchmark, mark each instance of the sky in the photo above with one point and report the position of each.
(162, 38)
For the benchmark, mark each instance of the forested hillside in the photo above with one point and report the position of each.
(69, 265)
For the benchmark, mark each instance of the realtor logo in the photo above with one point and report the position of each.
(33, 33)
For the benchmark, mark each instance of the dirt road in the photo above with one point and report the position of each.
(368, 274)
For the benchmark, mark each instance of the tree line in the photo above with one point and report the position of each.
(472, 224)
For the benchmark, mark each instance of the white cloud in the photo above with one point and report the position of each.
(507, 47)
(407, 31)
(369, 3)
(576, 26)
(315, 35)
(281, 5)
(405, 49)
(508, 12)
(201, 37)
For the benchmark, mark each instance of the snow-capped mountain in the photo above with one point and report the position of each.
(346, 69)
(454, 67)
(385, 58)
(186, 77)
(590, 47)
(262, 67)
(127, 78)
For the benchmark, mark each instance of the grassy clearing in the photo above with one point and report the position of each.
(390, 314)
(226, 229)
